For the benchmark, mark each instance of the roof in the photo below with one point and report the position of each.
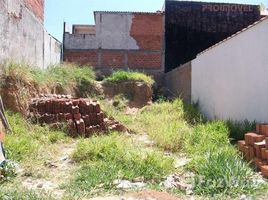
(128, 12)
(234, 35)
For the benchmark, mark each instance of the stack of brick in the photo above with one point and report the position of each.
(255, 148)
(83, 116)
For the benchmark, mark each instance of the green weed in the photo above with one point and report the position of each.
(165, 124)
(218, 166)
(120, 75)
(238, 129)
(26, 139)
(107, 158)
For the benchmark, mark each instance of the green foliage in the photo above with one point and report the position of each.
(218, 166)
(19, 72)
(224, 172)
(62, 76)
(27, 139)
(181, 128)
(192, 114)
(107, 158)
(165, 124)
(238, 129)
(120, 76)
(206, 137)
(7, 171)
(18, 194)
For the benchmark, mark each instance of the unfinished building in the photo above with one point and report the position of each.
(126, 40)
(155, 42)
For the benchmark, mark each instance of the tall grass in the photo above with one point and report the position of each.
(27, 140)
(238, 129)
(120, 75)
(165, 123)
(218, 166)
(107, 158)
(60, 76)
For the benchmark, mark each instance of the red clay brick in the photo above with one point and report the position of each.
(82, 57)
(241, 145)
(148, 31)
(258, 147)
(251, 138)
(264, 170)
(113, 59)
(138, 60)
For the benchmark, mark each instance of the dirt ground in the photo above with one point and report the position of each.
(144, 195)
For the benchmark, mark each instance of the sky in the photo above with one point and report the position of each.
(81, 11)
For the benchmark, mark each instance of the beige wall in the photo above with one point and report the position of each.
(230, 80)
(178, 82)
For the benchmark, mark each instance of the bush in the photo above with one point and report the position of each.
(107, 158)
(120, 75)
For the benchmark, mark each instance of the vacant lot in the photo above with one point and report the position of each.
(169, 152)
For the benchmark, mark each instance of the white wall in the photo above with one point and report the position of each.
(112, 32)
(230, 80)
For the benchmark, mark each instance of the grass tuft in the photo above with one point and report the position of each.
(238, 129)
(120, 76)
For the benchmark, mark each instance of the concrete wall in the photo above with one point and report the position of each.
(178, 82)
(52, 50)
(230, 80)
(23, 38)
(122, 40)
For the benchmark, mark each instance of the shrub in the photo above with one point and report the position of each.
(120, 75)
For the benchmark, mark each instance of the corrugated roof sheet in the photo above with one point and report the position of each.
(237, 33)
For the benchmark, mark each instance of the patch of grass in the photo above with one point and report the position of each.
(19, 194)
(26, 139)
(120, 76)
(224, 172)
(165, 124)
(19, 72)
(238, 129)
(107, 158)
(218, 166)
(60, 77)
(7, 171)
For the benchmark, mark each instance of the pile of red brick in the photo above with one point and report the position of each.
(255, 148)
(83, 116)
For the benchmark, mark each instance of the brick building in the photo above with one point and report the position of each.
(155, 42)
(127, 40)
